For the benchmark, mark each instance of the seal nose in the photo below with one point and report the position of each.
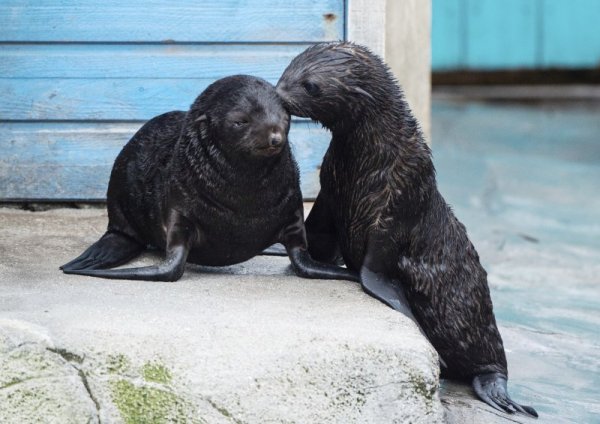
(276, 139)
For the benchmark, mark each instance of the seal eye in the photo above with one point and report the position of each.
(311, 88)
(240, 123)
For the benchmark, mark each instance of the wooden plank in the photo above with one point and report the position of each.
(570, 34)
(502, 34)
(447, 34)
(122, 82)
(96, 99)
(165, 20)
(144, 61)
(72, 161)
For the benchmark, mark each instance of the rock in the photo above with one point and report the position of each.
(250, 343)
(37, 383)
(461, 407)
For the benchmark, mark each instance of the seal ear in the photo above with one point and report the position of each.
(363, 92)
(202, 124)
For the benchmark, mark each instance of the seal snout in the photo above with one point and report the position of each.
(272, 142)
(276, 139)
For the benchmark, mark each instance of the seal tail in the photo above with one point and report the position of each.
(491, 388)
(113, 249)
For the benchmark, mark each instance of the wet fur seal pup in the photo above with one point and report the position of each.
(379, 205)
(213, 186)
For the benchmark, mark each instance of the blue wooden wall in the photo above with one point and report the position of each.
(515, 34)
(79, 77)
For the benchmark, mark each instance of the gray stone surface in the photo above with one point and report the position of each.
(245, 344)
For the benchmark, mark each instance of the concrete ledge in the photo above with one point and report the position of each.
(245, 344)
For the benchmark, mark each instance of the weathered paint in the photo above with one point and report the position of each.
(165, 20)
(513, 34)
(115, 82)
(62, 161)
(78, 78)
(137, 61)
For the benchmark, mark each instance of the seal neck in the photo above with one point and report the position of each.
(204, 169)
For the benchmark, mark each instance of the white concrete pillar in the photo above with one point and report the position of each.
(400, 31)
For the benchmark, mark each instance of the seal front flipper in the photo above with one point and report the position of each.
(383, 288)
(113, 249)
(294, 239)
(321, 234)
(305, 266)
(389, 291)
(181, 235)
(376, 281)
(491, 388)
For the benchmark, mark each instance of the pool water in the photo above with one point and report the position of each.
(525, 180)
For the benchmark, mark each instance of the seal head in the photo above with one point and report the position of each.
(244, 116)
(333, 82)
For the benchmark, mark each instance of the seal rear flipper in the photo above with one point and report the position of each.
(113, 249)
(491, 388)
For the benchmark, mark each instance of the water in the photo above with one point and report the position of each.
(525, 181)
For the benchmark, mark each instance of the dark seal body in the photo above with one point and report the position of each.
(380, 207)
(212, 186)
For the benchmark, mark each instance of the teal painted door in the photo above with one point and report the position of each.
(515, 34)
(78, 78)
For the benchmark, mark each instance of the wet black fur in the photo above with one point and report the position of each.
(205, 170)
(215, 171)
(378, 182)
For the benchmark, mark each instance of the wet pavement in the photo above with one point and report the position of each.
(524, 179)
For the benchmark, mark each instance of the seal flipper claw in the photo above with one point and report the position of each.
(491, 388)
(275, 250)
(113, 249)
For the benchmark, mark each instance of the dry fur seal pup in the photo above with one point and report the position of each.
(213, 186)
(379, 204)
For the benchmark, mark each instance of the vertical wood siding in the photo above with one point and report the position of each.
(78, 78)
(514, 34)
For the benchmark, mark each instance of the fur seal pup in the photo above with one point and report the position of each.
(213, 186)
(379, 204)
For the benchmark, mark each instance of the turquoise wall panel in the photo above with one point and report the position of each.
(78, 78)
(515, 34)
(501, 34)
(571, 30)
(448, 34)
